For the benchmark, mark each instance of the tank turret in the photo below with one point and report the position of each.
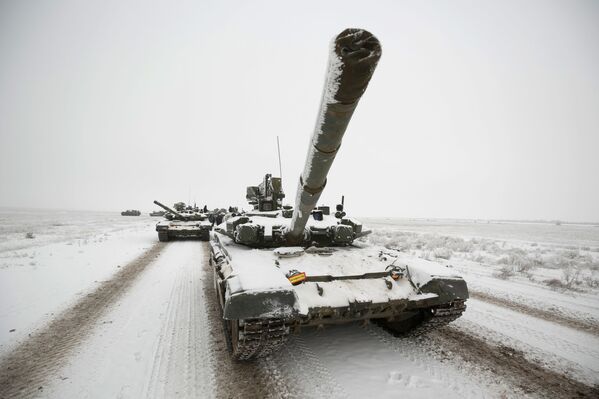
(185, 214)
(166, 208)
(353, 58)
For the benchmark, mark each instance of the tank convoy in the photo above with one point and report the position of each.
(131, 212)
(278, 267)
(184, 222)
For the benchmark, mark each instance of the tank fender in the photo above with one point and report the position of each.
(252, 304)
(448, 289)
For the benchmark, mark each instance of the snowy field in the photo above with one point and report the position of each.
(70, 252)
(513, 260)
(93, 306)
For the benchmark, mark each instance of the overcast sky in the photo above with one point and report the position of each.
(478, 109)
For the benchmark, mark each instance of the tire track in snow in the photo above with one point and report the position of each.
(25, 369)
(298, 364)
(353, 361)
(422, 356)
(182, 362)
(510, 363)
(552, 361)
(563, 349)
(548, 315)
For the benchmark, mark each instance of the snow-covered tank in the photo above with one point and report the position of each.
(278, 268)
(131, 212)
(184, 224)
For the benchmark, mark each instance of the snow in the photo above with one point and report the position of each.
(534, 256)
(479, 251)
(573, 235)
(256, 272)
(480, 277)
(365, 363)
(131, 354)
(58, 226)
(334, 70)
(156, 341)
(331, 86)
(38, 281)
(561, 348)
(283, 252)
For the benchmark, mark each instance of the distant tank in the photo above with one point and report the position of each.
(188, 223)
(131, 212)
(158, 213)
(278, 267)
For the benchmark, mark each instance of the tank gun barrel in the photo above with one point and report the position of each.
(353, 57)
(166, 208)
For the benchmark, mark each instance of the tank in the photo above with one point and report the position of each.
(157, 213)
(187, 223)
(279, 268)
(131, 212)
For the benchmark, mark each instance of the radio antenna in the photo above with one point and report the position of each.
(279, 152)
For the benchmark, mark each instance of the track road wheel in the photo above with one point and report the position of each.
(240, 350)
(220, 297)
(255, 338)
(407, 325)
(234, 337)
(425, 320)
(232, 334)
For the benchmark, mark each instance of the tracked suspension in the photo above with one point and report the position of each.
(439, 317)
(260, 337)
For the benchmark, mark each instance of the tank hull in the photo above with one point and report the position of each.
(341, 285)
(179, 229)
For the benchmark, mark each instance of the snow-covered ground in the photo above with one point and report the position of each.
(69, 254)
(154, 344)
(534, 265)
(534, 286)
(534, 297)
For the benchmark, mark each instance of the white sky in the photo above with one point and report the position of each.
(478, 109)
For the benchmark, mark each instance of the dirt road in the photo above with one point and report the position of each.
(154, 330)
(24, 371)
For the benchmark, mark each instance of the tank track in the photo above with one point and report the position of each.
(439, 317)
(260, 337)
